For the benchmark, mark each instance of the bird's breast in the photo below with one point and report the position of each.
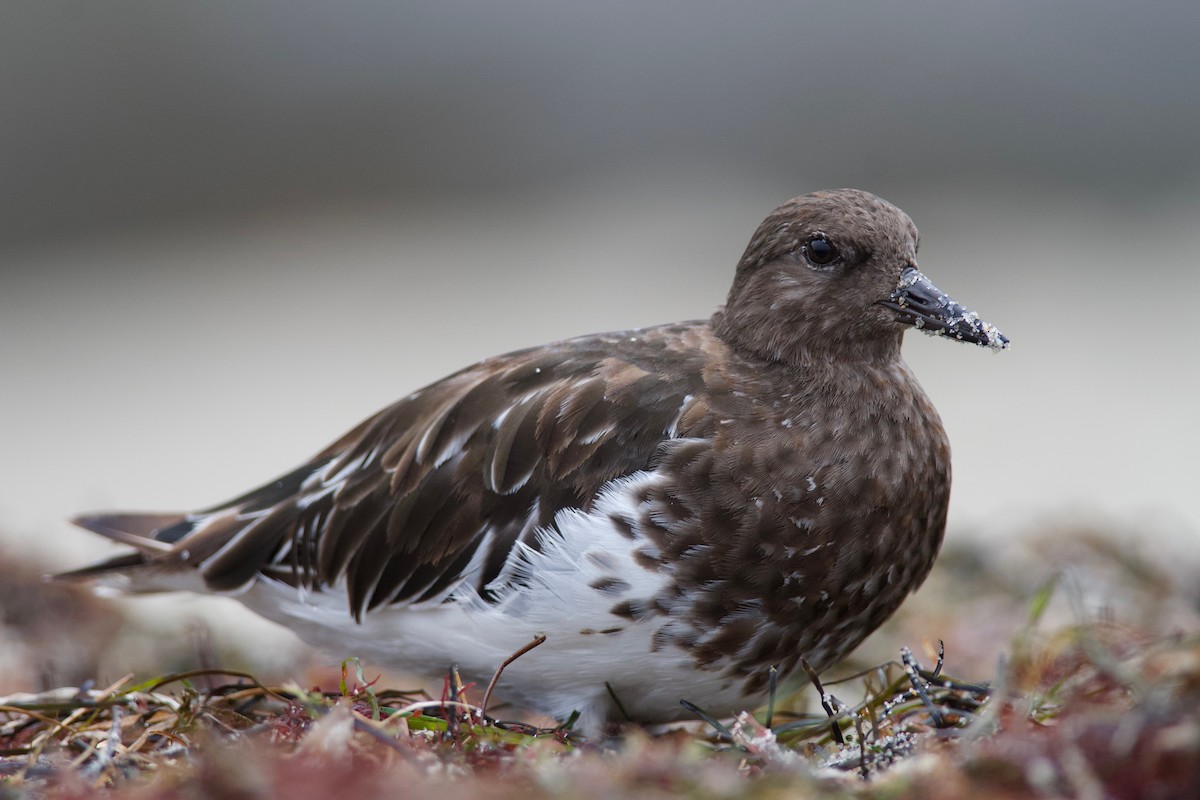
(808, 520)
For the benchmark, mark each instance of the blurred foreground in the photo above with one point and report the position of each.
(1075, 663)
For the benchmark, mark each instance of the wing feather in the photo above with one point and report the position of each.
(502, 476)
(437, 489)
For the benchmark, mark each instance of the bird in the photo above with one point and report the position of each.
(679, 510)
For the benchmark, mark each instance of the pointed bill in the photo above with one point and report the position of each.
(919, 303)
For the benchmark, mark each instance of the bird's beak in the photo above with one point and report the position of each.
(919, 303)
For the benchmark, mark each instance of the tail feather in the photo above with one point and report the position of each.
(153, 566)
(119, 563)
(140, 531)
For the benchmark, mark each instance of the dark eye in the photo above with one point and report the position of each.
(820, 252)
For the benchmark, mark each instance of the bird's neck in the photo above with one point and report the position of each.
(795, 344)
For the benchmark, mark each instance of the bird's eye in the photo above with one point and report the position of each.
(821, 252)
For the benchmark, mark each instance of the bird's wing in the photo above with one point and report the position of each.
(438, 488)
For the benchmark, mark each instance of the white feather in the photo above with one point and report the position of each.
(544, 590)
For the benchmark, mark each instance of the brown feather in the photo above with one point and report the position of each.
(134, 529)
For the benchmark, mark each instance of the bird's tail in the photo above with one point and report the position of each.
(221, 549)
(150, 534)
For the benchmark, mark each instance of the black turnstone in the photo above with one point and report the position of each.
(677, 508)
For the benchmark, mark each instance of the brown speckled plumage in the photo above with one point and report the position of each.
(719, 496)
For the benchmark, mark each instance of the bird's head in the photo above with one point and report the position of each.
(833, 275)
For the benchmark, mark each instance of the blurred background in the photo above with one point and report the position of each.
(230, 230)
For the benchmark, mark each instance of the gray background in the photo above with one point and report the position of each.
(228, 231)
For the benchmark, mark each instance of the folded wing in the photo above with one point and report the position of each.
(432, 492)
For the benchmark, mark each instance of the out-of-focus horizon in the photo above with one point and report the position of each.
(230, 231)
